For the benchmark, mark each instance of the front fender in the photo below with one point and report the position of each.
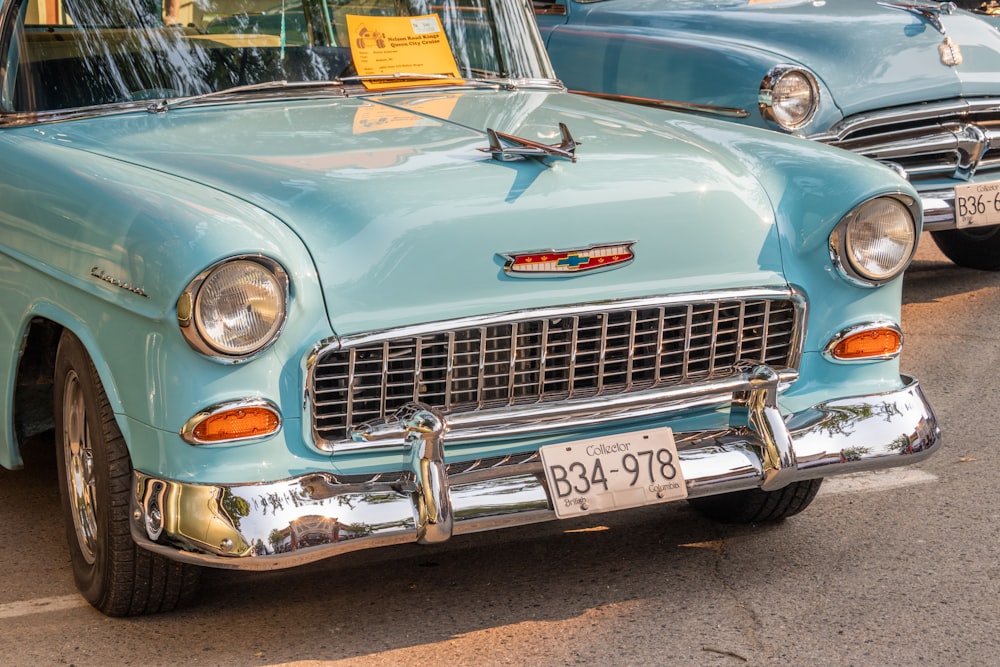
(122, 241)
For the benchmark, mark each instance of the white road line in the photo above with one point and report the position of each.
(41, 606)
(878, 480)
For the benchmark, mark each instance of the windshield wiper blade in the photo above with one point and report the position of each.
(264, 86)
(414, 76)
(498, 83)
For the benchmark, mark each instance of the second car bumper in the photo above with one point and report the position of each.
(939, 209)
(303, 519)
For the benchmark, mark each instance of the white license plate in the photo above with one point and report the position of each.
(614, 472)
(977, 204)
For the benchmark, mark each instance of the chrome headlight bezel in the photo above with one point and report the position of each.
(773, 97)
(193, 309)
(849, 249)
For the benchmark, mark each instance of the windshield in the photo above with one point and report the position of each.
(67, 54)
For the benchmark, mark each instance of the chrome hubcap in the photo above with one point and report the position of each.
(79, 458)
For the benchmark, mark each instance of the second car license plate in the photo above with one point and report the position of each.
(977, 204)
(615, 472)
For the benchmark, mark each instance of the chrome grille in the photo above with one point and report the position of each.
(562, 356)
(947, 139)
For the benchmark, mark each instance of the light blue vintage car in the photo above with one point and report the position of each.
(914, 85)
(292, 293)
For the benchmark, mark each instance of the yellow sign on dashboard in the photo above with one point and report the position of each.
(399, 46)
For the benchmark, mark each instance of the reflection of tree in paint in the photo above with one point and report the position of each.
(364, 34)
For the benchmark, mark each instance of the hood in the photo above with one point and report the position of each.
(404, 215)
(864, 51)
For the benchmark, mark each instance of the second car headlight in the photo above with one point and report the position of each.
(236, 308)
(788, 96)
(875, 242)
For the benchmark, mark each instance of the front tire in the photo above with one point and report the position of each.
(756, 506)
(973, 248)
(95, 478)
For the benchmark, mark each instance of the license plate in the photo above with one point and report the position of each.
(977, 204)
(614, 472)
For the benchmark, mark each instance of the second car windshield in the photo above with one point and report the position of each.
(69, 54)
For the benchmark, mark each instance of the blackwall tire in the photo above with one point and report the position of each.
(756, 506)
(973, 248)
(95, 474)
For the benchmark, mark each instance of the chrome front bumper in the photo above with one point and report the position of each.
(303, 519)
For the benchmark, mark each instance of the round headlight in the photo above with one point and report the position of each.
(875, 242)
(789, 97)
(237, 308)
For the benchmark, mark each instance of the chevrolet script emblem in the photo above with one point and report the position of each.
(551, 263)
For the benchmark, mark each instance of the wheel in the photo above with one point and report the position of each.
(973, 248)
(756, 506)
(95, 475)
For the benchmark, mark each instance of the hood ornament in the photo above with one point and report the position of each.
(951, 54)
(506, 147)
(930, 13)
(552, 263)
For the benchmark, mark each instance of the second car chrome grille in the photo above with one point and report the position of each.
(949, 139)
(562, 356)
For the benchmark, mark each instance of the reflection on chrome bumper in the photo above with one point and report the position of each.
(939, 209)
(295, 521)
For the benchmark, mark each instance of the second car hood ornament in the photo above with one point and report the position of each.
(505, 147)
(951, 54)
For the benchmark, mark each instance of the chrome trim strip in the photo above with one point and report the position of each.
(473, 321)
(691, 107)
(224, 97)
(190, 522)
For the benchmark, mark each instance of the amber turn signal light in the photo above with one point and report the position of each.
(877, 343)
(237, 424)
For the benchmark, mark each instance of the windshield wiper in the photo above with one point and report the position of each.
(414, 76)
(484, 80)
(166, 105)
(497, 83)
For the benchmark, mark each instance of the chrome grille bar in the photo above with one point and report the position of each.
(934, 140)
(549, 356)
